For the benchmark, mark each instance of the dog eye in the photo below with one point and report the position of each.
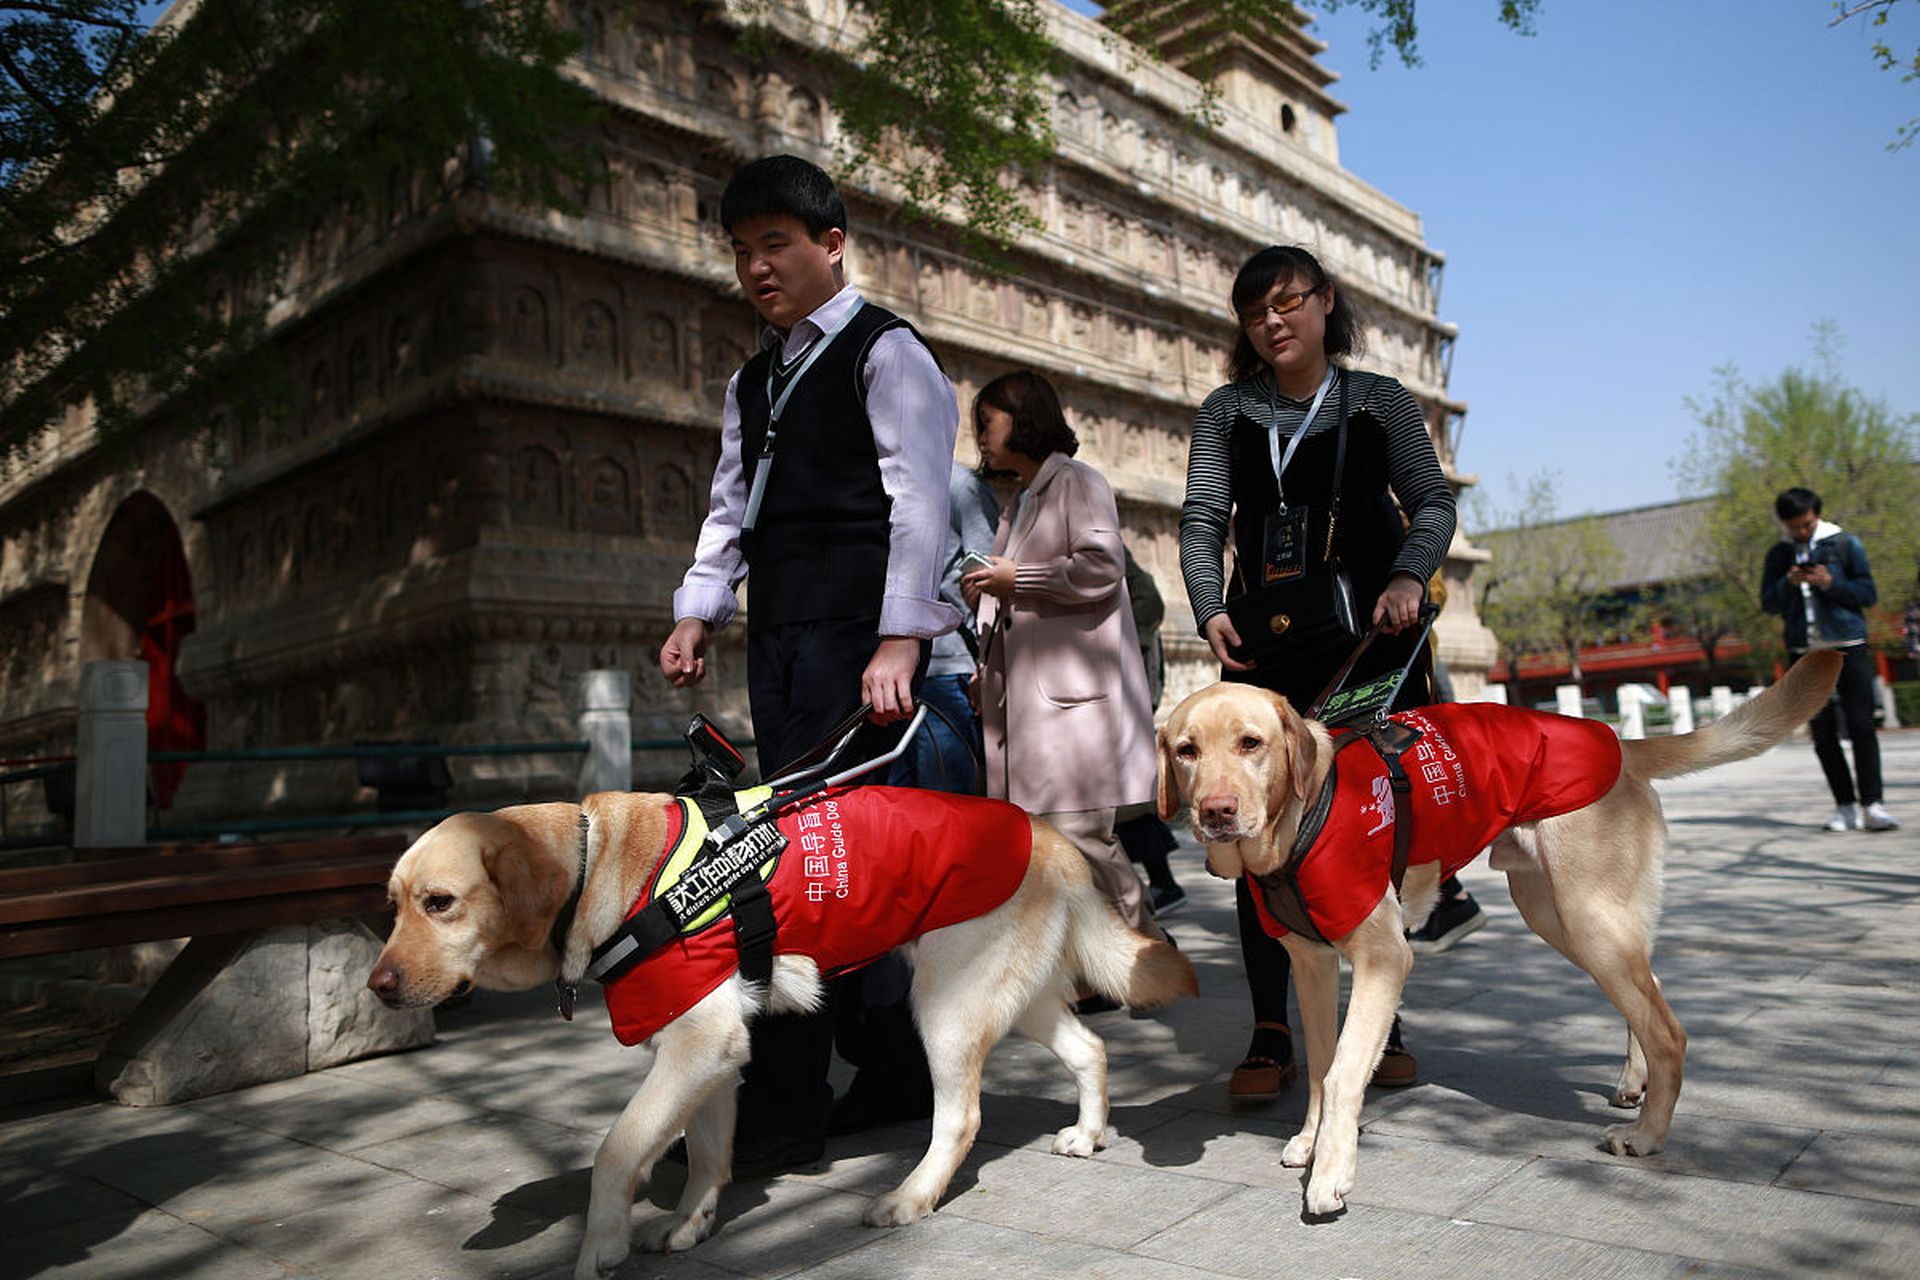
(436, 903)
(1187, 751)
(1250, 743)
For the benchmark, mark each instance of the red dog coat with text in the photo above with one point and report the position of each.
(864, 870)
(1477, 769)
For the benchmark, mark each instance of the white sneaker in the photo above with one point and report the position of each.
(1878, 819)
(1845, 818)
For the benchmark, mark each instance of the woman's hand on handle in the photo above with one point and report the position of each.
(1399, 605)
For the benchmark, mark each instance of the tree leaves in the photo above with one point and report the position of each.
(1805, 428)
(1548, 586)
(1876, 13)
(158, 186)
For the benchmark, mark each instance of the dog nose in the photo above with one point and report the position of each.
(1219, 807)
(384, 980)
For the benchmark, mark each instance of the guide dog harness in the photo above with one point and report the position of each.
(1437, 786)
(843, 878)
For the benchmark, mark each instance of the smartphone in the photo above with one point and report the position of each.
(971, 560)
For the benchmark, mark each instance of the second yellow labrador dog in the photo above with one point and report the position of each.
(1586, 878)
(477, 897)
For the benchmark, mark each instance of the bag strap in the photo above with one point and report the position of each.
(1339, 470)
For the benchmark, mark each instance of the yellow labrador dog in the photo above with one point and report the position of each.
(477, 896)
(1587, 881)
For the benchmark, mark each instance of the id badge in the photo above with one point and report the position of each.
(1285, 545)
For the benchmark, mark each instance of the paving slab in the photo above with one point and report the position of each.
(1734, 1223)
(1792, 956)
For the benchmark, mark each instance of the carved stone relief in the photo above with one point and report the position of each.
(675, 511)
(596, 337)
(1066, 116)
(399, 511)
(319, 394)
(930, 285)
(724, 355)
(647, 48)
(608, 505)
(720, 90)
(659, 349)
(537, 490)
(649, 198)
(400, 351)
(359, 371)
(1034, 319)
(1080, 327)
(805, 118)
(528, 334)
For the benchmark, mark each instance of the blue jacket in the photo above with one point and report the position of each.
(1837, 609)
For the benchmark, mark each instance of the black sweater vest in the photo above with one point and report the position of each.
(819, 548)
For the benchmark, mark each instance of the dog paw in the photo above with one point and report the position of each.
(597, 1262)
(1322, 1200)
(1626, 1099)
(1075, 1141)
(1632, 1140)
(896, 1209)
(1298, 1153)
(1332, 1179)
(675, 1235)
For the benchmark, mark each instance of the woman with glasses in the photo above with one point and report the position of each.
(1262, 459)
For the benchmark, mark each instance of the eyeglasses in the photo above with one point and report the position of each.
(1284, 305)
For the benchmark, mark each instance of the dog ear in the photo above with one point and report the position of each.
(531, 877)
(1169, 794)
(1302, 751)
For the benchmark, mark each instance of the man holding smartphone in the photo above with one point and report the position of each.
(1816, 578)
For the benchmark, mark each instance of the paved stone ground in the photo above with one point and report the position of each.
(1790, 954)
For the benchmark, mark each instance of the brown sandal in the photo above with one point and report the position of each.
(1261, 1077)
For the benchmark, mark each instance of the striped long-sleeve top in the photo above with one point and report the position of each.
(1413, 472)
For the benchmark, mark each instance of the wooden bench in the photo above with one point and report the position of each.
(116, 897)
(271, 983)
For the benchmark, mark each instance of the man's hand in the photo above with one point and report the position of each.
(1221, 638)
(1399, 605)
(683, 658)
(1814, 575)
(887, 683)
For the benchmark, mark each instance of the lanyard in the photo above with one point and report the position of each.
(775, 407)
(1273, 431)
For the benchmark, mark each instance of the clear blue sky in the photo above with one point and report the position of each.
(1640, 193)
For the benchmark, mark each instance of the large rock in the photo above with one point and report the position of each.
(242, 1009)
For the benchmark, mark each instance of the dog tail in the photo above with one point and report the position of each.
(1119, 963)
(1784, 706)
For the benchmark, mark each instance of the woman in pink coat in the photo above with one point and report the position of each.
(1063, 694)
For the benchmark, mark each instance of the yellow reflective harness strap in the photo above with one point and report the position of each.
(699, 882)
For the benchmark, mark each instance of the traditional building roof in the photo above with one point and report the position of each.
(1657, 543)
(1660, 543)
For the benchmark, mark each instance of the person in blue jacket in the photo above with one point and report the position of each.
(1816, 578)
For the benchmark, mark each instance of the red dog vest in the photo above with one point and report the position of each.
(864, 870)
(1477, 769)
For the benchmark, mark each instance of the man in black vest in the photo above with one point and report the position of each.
(831, 492)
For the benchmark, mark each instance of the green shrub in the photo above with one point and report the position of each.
(1906, 701)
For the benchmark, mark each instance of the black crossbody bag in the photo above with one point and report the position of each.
(1313, 616)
